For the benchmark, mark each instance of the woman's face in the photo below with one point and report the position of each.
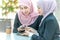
(25, 10)
(40, 11)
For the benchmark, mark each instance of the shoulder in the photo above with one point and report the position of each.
(16, 15)
(16, 18)
(51, 18)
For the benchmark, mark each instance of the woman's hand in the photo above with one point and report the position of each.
(29, 29)
(26, 33)
(21, 28)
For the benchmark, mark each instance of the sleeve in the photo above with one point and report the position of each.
(50, 28)
(16, 23)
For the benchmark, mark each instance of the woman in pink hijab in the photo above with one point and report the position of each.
(26, 16)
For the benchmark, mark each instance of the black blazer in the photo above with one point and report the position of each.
(49, 30)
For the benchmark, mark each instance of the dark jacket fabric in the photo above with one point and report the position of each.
(49, 29)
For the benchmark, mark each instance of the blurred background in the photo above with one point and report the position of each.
(8, 9)
(58, 10)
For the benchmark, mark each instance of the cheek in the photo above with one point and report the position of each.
(21, 10)
(40, 11)
(28, 11)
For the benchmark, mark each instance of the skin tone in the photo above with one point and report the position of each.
(27, 31)
(40, 11)
(25, 10)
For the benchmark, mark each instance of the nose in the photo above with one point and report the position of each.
(23, 10)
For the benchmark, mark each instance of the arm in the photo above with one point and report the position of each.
(16, 24)
(50, 27)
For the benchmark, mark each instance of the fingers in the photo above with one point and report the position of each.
(21, 28)
(30, 29)
(24, 34)
(18, 29)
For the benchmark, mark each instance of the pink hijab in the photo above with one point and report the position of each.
(30, 19)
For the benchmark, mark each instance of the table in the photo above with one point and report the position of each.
(12, 36)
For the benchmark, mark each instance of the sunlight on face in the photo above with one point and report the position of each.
(25, 10)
